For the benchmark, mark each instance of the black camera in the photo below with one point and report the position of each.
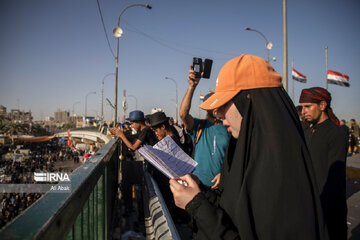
(199, 66)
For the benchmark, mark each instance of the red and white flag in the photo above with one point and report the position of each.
(338, 78)
(298, 76)
(202, 97)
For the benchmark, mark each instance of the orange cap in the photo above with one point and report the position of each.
(241, 73)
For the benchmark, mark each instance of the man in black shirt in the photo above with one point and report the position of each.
(145, 134)
(132, 170)
(160, 124)
(327, 145)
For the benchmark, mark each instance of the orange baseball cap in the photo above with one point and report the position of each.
(242, 73)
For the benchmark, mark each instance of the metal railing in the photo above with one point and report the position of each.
(84, 213)
(158, 221)
(87, 211)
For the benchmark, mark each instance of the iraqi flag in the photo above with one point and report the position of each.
(202, 97)
(298, 76)
(338, 78)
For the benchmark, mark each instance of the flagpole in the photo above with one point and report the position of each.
(285, 57)
(293, 82)
(326, 59)
(199, 105)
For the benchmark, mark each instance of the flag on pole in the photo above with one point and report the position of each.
(298, 76)
(201, 97)
(338, 78)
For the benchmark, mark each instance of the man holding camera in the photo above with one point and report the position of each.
(210, 137)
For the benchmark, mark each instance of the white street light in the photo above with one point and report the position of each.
(102, 95)
(177, 112)
(73, 107)
(268, 45)
(86, 102)
(117, 32)
(136, 105)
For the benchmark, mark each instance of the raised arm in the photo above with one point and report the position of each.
(185, 116)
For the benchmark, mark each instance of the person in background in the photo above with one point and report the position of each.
(268, 188)
(159, 122)
(304, 124)
(131, 169)
(354, 136)
(346, 131)
(178, 129)
(209, 137)
(327, 145)
(145, 134)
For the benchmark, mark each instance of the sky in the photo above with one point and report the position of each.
(53, 54)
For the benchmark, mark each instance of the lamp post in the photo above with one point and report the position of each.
(135, 101)
(86, 102)
(102, 95)
(268, 44)
(73, 109)
(285, 52)
(117, 32)
(176, 100)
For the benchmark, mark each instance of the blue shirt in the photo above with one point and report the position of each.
(209, 151)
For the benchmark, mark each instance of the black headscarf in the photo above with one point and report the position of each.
(267, 180)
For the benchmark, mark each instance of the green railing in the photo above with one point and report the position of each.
(85, 212)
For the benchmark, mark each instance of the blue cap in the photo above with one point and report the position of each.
(136, 116)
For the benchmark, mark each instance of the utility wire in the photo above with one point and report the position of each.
(102, 20)
(162, 43)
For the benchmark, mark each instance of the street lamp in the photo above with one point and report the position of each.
(177, 112)
(110, 104)
(117, 32)
(73, 109)
(86, 102)
(135, 101)
(102, 95)
(268, 44)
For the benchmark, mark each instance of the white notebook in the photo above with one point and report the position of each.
(169, 158)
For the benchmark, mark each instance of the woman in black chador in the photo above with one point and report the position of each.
(268, 188)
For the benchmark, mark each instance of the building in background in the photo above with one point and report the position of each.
(62, 116)
(17, 116)
(2, 109)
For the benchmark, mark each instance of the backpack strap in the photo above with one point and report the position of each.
(199, 130)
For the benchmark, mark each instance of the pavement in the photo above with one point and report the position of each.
(353, 196)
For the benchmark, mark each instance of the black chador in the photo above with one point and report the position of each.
(268, 188)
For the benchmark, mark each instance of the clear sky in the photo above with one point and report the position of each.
(53, 53)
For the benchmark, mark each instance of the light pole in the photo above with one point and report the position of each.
(102, 95)
(176, 102)
(117, 32)
(268, 44)
(135, 101)
(285, 52)
(73, 109)
(86, 102)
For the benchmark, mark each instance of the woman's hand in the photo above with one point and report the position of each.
(216, 181)
(184, 194)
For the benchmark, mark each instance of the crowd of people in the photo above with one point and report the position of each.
(266, 170)
(40, 158)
